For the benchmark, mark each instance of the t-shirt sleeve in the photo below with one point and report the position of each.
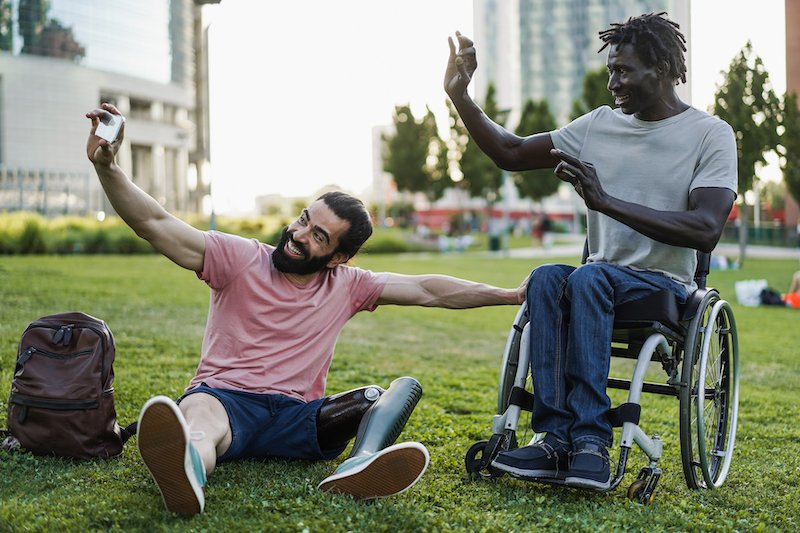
(225, 257)
(366, 288)
(570, 138)
(717, 164)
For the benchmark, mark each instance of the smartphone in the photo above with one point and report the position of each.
(109, 126)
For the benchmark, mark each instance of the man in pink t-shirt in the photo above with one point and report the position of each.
(273, 320)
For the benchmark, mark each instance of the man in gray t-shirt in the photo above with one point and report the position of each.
(659, 179)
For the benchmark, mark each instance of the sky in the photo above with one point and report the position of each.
(297, 87)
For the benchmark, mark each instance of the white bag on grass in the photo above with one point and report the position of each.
(748, 292)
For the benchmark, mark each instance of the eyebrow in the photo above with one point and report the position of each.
(317, 228)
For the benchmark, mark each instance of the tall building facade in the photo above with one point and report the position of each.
(542, 49)
(61, 58)
(792, 85)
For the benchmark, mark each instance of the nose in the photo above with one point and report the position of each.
(613, 81)
(299, 233)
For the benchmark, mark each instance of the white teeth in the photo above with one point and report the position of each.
(621, 99)
(292, 248)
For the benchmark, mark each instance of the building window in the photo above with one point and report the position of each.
(140, 109)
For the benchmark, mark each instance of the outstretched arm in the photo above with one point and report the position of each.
(507, 150)
(436, 290)
(172, 237)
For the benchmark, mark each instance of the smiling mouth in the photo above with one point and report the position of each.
(294, 249)
(621, 100)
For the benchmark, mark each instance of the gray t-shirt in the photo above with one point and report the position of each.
(655, 164)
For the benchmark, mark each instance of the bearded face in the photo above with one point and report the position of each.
(308, 264)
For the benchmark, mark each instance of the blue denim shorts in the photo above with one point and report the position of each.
(265, 426)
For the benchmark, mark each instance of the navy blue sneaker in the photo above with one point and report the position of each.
(589, 468)
(546, 460)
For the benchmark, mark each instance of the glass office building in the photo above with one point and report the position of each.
(542, 49)
(61, 58)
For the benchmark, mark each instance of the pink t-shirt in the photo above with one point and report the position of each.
(266, 334)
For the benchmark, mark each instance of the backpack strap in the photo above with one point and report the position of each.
(128, 431)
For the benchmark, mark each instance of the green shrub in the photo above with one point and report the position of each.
(31, 240)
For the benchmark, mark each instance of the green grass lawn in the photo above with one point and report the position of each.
(157, 312)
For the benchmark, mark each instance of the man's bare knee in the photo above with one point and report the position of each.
(205, 414)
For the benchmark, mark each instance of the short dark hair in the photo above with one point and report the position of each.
(351, 209)
(655, 38)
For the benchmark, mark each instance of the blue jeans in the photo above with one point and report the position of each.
(571, 319)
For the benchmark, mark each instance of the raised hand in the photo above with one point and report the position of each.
(461, 66)
(99, 151)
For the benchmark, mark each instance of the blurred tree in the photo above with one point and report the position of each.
(789, 149)
(412, 153)
(46, 37)
(536, 184)
(32, 17)
(6, 36)
(746, 101)
(58, 41)
(595, 93)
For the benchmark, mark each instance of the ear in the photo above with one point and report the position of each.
(662, 67)
(338, 258)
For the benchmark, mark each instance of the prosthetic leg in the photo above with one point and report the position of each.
(340, 415)
(375, 467)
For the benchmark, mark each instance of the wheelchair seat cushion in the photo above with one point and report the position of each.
(661, 306)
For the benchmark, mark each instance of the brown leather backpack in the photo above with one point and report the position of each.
(62, 394)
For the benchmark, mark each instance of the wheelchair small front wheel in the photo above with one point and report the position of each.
(477, 463)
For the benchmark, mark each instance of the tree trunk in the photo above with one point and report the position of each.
(744, 217)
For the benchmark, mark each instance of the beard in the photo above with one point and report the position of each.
(288, 265)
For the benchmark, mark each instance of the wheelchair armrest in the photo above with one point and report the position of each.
(693, 303)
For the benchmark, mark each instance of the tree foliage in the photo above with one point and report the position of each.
(595, 93)
(790, 144)
(43, 36)
(536, 184)
(412, 154)
(6, 36)
(747, 102)
(32, 17)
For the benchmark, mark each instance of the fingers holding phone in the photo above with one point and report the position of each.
(106, 134)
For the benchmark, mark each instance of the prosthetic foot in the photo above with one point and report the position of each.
(375, 467)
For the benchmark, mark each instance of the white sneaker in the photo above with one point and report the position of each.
(390, 471)
(176, 466)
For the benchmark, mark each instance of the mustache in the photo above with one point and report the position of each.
(287, 236)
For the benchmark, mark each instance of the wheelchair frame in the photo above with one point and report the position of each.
(696, 344)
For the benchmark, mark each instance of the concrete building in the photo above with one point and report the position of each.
(147, 58)
(792, 85)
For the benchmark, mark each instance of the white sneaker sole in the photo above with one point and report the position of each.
(163, 441)
(391, 471)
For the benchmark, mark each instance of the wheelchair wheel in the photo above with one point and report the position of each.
(709, 396)
(475, 459)
(508, 372)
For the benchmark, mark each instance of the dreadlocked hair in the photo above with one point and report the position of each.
(655, 38)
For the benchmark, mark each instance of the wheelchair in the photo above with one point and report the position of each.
(695, 343)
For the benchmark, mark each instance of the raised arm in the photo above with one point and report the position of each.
(172, 237)
(436, 290)
(507, 150)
